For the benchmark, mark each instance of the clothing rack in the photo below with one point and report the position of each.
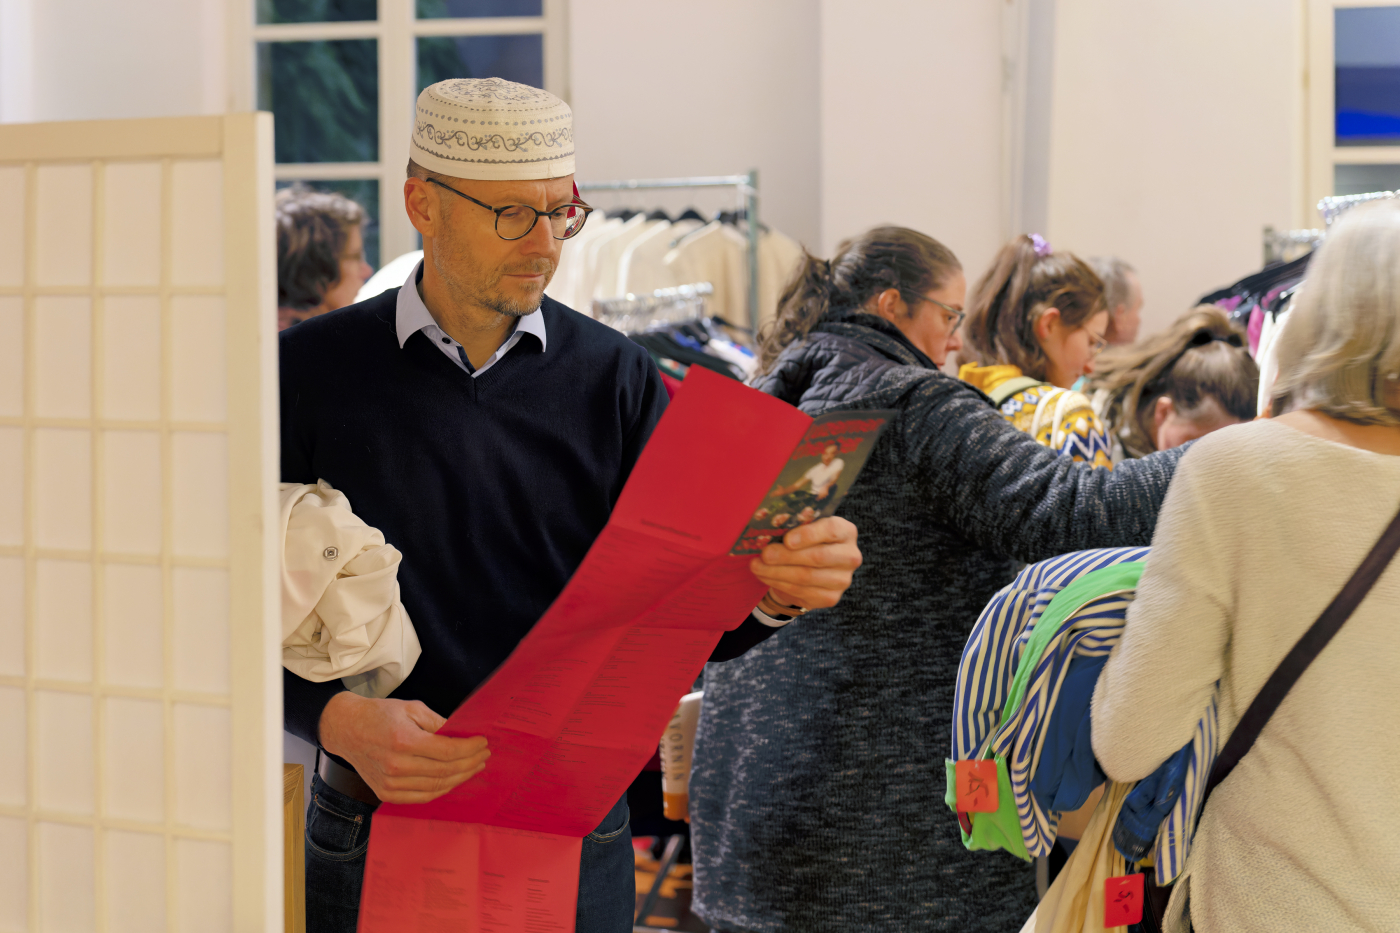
(747, 185)
(1334, 207)
(663, 306)
(1288, 245)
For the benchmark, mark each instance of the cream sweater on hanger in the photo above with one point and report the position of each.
(1260, 529)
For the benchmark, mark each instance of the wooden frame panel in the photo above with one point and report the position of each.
(231, 822)
(1323, 152)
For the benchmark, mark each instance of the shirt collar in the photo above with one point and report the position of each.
(411, 315)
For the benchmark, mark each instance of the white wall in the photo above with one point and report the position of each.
(664, 89)
(1176, 136)
(99, 59)
(1175, 129)
(911, 121)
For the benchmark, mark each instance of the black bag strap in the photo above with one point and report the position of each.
(1303, 653)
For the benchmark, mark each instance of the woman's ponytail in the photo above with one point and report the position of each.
(804, 301)
(1203, 357)
(1024, 280)
(864, 266)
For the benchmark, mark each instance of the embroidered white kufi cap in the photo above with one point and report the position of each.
(492, 129)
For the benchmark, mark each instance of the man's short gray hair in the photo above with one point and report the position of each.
(1117, 290)
(1339, 352)
(417, 171)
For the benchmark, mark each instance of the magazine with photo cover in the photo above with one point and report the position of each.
(816, 477)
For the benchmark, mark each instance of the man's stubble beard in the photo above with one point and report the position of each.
(470, 282)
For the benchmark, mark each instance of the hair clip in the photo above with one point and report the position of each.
(1042, 248)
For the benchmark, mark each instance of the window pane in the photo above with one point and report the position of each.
(1363, 179)
(442, 9)
(1367, 54)
(324, 98)
(364, 192)
(515, 58)
(315, 11)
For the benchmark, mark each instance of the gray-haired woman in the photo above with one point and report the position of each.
(817, 790)
(1264, 524)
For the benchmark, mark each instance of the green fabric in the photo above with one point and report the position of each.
(1002, 829)
(991, 831)
(1067, 602)
(1011, 386)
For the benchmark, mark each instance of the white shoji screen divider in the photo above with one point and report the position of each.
(140, 687)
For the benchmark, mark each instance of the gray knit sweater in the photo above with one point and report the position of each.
(816, 798)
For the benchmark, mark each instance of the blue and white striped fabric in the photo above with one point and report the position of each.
(990, 661)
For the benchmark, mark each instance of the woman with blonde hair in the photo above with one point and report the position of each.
(1177, 386)
(1035, 322)
(1264, 525)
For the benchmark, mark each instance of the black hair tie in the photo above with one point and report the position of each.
(1203, 337)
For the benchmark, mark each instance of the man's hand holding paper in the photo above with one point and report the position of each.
(812, 566)
(393, 746)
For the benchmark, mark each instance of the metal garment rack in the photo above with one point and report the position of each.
(1334, 207)
(1288, 245)
(1283, 245)
(747, 185)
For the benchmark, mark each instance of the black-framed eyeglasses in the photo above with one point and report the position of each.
(515, 221)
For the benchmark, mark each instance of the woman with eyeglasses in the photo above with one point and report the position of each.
(1177, 386)
(1037, 321)
(818, 776)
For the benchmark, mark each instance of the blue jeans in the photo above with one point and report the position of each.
(337, 837)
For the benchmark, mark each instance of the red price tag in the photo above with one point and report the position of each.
(1122, 900)
(977, 786)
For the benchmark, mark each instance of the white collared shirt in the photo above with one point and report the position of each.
(411, 315)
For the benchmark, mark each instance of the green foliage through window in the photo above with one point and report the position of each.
(316, 11)
(515, 58)
(442, 9)
(324, 98)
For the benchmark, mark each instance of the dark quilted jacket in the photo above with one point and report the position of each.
(817, 790)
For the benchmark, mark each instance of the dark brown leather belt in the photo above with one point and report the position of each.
(346, 781)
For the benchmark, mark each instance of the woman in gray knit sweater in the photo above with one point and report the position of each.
(816, 797)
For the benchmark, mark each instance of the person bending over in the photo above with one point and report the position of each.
(816, 794)
(487, 431)
(320, 253)
(1176, 386)
(1036, 322)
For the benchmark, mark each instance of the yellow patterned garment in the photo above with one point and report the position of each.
(1060, 419)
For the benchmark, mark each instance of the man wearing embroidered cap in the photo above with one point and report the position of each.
(487, 431)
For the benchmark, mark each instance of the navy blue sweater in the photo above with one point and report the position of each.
(493, 487)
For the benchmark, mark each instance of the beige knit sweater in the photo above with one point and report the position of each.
(1260, 529)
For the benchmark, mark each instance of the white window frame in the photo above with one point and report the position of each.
(397, 31)
(1324, 155)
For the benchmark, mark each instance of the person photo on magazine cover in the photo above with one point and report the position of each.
(820, 480)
